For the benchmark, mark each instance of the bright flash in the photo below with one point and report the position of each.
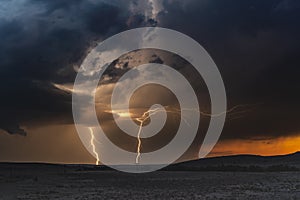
(121, 113)
(92, 141)
(146, 115)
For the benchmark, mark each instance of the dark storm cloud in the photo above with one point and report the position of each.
(41, 43)
(254, 43)
(256, 46)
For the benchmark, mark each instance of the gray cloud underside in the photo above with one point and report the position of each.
(43, 42)
(254, 43)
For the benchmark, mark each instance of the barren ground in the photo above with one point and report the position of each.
(58, 182)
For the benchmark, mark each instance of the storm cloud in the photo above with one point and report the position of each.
(256, 46)
(254, 43)
(44, 42)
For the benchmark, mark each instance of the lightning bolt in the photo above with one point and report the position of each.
(141, 120)
(92, 141)
(149, 113)
(146, 115)
(138, 150)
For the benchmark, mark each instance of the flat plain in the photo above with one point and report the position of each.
(42, 181)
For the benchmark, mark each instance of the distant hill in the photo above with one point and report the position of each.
(290, 162)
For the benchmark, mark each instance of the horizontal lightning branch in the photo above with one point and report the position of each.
(146, 115)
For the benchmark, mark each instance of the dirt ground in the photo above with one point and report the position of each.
(52, 182)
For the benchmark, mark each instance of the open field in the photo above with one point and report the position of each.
(40, 181)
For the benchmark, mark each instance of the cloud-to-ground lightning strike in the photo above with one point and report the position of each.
(146, 115)
(94, 146)
(139, 143)
(142, 119)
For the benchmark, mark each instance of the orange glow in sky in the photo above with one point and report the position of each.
(268, 147)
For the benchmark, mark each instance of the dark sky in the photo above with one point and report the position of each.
(254, 43)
